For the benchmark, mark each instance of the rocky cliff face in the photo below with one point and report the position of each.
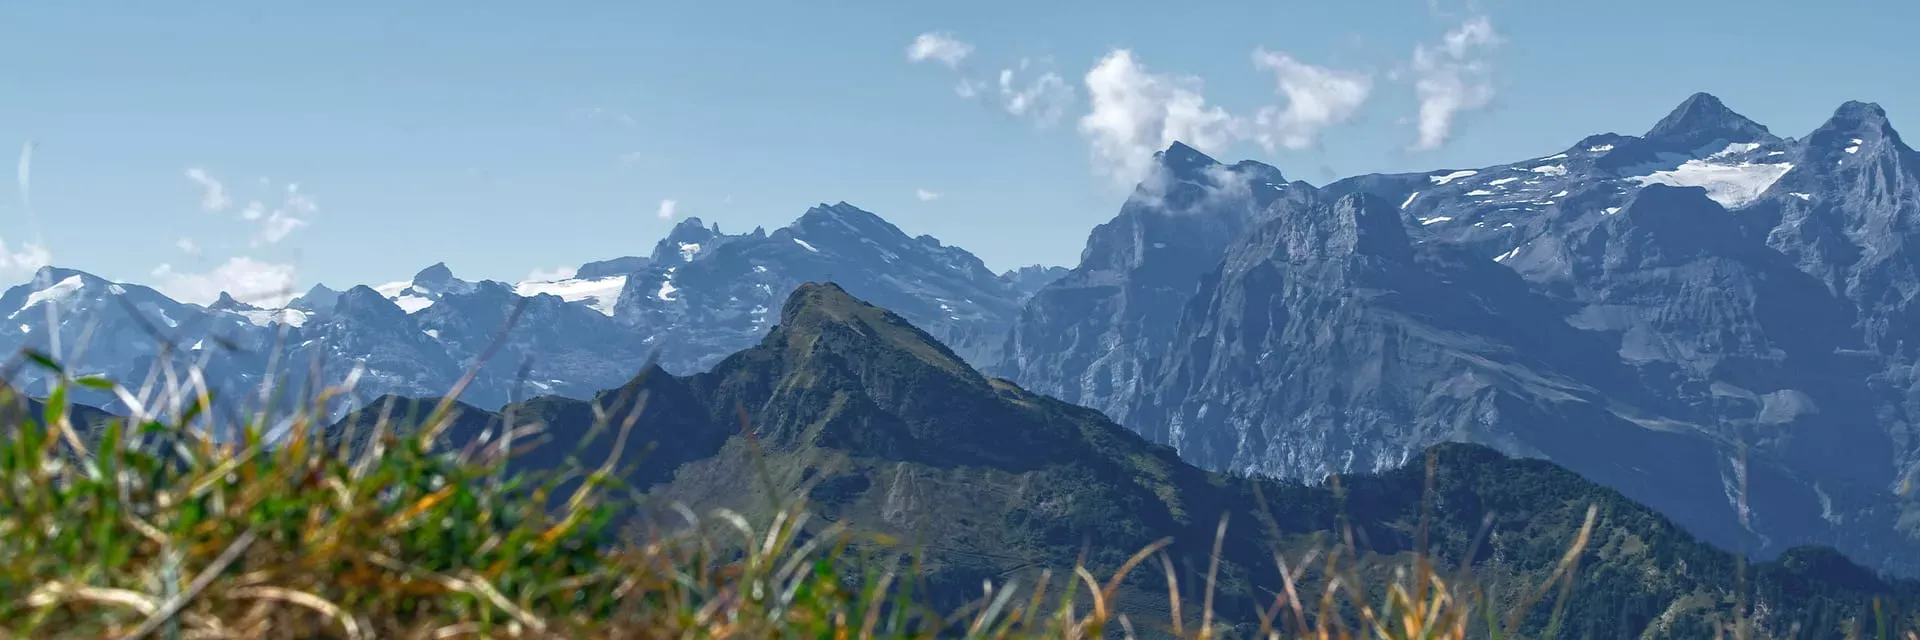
(1085, 337)
(1711, 318)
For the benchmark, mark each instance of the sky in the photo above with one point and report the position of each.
(261, 148)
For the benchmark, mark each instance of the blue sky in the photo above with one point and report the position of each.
(509, 137)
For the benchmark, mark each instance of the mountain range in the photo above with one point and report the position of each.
(700, 295)
(1714, 320)
(1708, 317)
(885, 429)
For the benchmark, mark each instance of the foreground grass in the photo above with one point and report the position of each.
(146, 528)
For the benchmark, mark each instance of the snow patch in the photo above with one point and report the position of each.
(432, 333)
(1734, 149)
(59, 292)
(1551, 170)
(1434, 220)
(1502, 181)
(1410, 198)
(1556, 156)
(392, 289)
(598, 294)
(688, 250)
(1508, 255)
(1802, 196)
(667, 288)
(1479, 192)
(1731, 185)
(1452, 176)
(1600, 149)
(1852, 149)
(804, 245)
(1611, 210)
(411, 303)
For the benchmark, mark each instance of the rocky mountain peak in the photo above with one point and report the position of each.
(689, 239)
(1702, 119)
(1857, 127)
(227, 303)
(434, 278)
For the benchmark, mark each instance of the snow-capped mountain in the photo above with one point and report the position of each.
(1713, 319)
(700, 295)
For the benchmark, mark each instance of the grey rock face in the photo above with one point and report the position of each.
(1085, 337)
(1715, 320)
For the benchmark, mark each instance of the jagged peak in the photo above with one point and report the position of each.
(362, 298)
(1180, 157)
(1702, 119)
(226, 302)
(435, 274)
(1853, 119)
(825, 216)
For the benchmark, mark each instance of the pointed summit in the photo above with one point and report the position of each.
(227, 303)
(1183, 160)
(434, 276)
(822, 317)
(1703, 120)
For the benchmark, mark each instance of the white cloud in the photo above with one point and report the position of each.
(1136, 113)
(246, 279)
(294, 210)
(1452, 78)
(187, 246)
(667, 209)
(926, 196)
(939, 46)
(1316, 98)
(969, 88)
(292, 214)
(550, 275)
(213, 195)
(30, 257)
(1044, 99)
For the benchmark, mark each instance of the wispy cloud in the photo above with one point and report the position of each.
(668, 208)
(1451, 78)
(292, 211)
(29, 257)
(213, 194)
(246, 279)
(1044, 98)
(1135, 113)
(938, 46)
(187, 246)
(1316, 98)
(926, 196)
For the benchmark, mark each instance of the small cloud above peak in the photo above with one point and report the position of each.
(938, 46)
(927, 196)
(668, 208)
(1451, 78)
(1317, 97)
